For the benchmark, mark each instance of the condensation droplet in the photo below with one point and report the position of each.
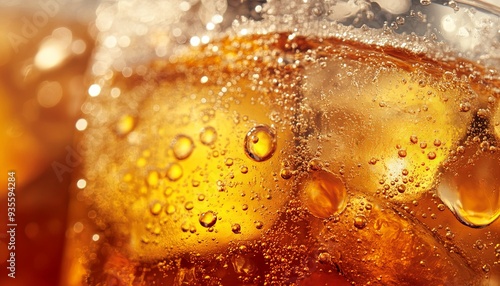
(402, 153)
(431, 155)
(260, 143)
(244, 169)
(208, 135)
(182, 146)
(153, 178)
(259, 225)
(125, 125)
(236, 228)
(228, 162)
(286, 173)
(189, 205)
(208, 219)
(360, 222)
(414, 139)
(174, 172)
(155, 208)
(170, 209)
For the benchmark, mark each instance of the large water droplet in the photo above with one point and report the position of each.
(324, 194)
(471, 188)
(174, 172)
(182, 146)
(260, 143)
(155, 208)
(208, 219)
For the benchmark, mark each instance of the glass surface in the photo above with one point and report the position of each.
(196, 142)
(289, 142)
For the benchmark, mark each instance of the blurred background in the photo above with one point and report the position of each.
(45, 47)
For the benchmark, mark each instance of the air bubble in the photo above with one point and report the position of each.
(402, 153)
(182, 146)
(286, 173)
(414, 139)
(170, 209)
(431, 155)
(360, 221)
(236, 228)
(155, 208)
(208, 135)
(174, 172)
(244, 169)
(259, 225)
(260, 143)
(208, 219)
(153, 178)
(189, 205)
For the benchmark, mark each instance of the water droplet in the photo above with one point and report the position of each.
(182, 146)
(431, 155)
(324, 194)
(152, 179)
(174, 172)
(425, 2)
(286, 173)
(259, 225)
(401, 188)
(125, 125)
(441, 207)
(486, 268)
(315, 164)
(228, 162)
(170, 209)
(360, 221)
(244, 207)
(414, 139)
(465, 107)
(260, 143)
(437, 142)
(208, 135)
(402, 153)
(185, 226)
(244, 169)
(324, 257)
(155, 208)
(201, 197)
(189, 205)
(236, 228)
(470, 188)
(208, 219)
(423, 145)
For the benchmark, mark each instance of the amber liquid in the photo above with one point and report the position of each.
(280, 160)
